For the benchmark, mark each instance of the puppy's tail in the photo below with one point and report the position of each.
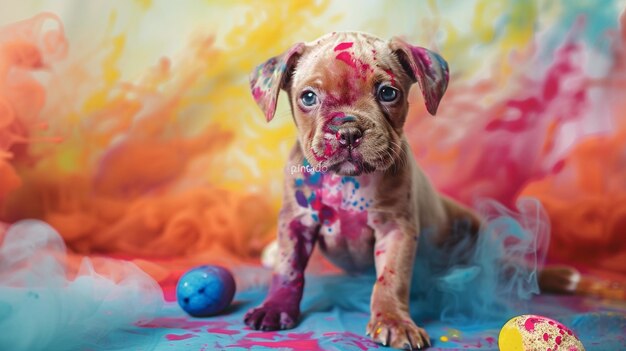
(567, 280)
(559, 280)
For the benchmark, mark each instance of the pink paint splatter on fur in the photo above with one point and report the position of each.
(328, 150)
(331, 199)
(332, 121)
(391, 76)
(175, 337)
(347, 59)
(257, 94)
(359, 67)
(343, 46)
(352, 223)
(334, 115)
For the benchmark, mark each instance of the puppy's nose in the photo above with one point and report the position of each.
(349, 137)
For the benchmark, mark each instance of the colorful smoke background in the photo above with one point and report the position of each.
(129, 126)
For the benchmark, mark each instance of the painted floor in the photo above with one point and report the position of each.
(600, 325)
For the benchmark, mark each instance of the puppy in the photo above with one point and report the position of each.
(352, 185)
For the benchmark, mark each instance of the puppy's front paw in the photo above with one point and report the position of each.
(271, 317)
(398, 331)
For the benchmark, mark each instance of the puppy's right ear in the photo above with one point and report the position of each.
(269, 77)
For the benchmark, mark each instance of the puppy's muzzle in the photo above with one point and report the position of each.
(349, 137)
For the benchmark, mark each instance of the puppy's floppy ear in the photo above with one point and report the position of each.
(269, 77)
(426, 67)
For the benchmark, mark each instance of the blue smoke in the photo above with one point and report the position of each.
(488, 279)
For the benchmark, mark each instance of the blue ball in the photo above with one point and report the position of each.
(205, 291)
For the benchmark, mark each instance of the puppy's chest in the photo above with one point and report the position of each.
(339, 204)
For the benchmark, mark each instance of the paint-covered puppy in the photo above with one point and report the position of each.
(352, 185)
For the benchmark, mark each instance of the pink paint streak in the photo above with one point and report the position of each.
(219, 327)
(263, 335)
(346, 58)
(295, 345)
(317, 158)
(348, 338)
(183, 323)
(359, 67)
(491, 341)
(175, 337)
(343, 46)
(294, 342)
(222, 331)
(391, 76)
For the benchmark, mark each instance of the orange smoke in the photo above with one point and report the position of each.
(22, 52)
(115, 183)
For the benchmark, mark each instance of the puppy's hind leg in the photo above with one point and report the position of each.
(463, 225)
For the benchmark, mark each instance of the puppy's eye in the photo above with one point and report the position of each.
(308, 98)
(387, 93)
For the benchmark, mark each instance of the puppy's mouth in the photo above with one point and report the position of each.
(351, 163)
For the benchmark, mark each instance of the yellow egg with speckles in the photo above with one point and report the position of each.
(537, 333)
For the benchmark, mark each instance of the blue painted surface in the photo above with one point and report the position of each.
(334, 319)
